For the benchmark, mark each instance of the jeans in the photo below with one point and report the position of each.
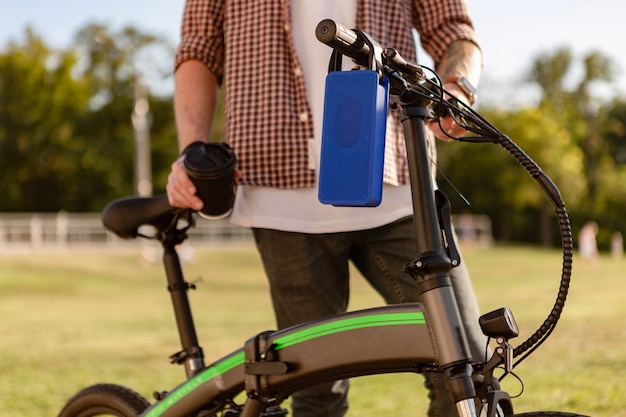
(309, 279)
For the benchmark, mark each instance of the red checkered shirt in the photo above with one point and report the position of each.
(248, 45)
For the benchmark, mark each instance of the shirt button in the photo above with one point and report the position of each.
(287, 27)
(297, 71)
(303, 116)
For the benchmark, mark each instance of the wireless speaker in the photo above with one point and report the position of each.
(353, 138)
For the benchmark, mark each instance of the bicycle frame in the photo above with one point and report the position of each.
(395, 338)
(417, 337)
(274, 364)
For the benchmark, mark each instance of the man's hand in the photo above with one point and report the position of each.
(180, 190)
(447, 124)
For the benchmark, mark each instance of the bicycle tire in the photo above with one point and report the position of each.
(105, 400)
(548, 414)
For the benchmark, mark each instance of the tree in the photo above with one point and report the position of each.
(577, 106)
(499, 187)
(614, 131)
(40, 102)
(66, 136)
(548, 71)
(113, 67)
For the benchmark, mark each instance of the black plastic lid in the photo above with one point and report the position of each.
(210, 160)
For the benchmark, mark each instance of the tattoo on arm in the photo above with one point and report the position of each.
(462, 59)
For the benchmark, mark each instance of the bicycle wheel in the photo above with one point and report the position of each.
(105, 400)
(548, 414)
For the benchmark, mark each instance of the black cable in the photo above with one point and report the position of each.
(483, 131)
(411, 87)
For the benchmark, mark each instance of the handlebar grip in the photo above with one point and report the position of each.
(343, 40)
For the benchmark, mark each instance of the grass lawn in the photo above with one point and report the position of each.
(74, 318)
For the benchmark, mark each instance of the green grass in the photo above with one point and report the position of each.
(71, 319)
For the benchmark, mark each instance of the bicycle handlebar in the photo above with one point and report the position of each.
(408, 81)
(343, 40)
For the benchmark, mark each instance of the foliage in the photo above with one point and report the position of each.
(66, 136)
(574, 136)
(40, 103)
(499, 186)
(614, 131)
(578, 107)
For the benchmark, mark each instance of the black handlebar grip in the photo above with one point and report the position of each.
(343, 40)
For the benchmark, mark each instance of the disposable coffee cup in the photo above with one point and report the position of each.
(211, 168)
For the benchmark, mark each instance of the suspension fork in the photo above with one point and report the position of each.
(431, 268)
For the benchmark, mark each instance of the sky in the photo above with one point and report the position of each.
(512, 32)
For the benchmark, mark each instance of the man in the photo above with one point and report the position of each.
(266, 55)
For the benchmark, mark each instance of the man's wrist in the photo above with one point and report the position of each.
(466, 87)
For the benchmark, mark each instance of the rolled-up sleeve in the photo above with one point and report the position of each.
(202, 35)
(441, 23)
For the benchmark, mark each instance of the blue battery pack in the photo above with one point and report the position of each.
(353, 139)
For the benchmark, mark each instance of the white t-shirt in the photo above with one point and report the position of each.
(299, 210)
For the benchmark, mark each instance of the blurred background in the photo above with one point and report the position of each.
(86, 111)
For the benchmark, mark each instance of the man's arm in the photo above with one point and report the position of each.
(461, 59)
(195, 100)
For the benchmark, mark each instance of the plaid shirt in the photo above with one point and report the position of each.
(248, 45)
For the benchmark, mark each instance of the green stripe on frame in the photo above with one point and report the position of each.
(208, 374)
(336, 326)
(353, 323)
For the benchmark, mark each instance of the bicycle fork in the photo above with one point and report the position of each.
(431, 268)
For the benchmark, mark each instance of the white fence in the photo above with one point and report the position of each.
(77, 230)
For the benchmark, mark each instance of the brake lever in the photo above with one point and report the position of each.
(456, 111)
(412, 72)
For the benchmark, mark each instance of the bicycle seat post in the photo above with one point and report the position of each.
(191, 355)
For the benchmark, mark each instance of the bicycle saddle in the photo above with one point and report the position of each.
(125, 215)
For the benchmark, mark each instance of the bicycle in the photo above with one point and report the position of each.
(414, 337)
